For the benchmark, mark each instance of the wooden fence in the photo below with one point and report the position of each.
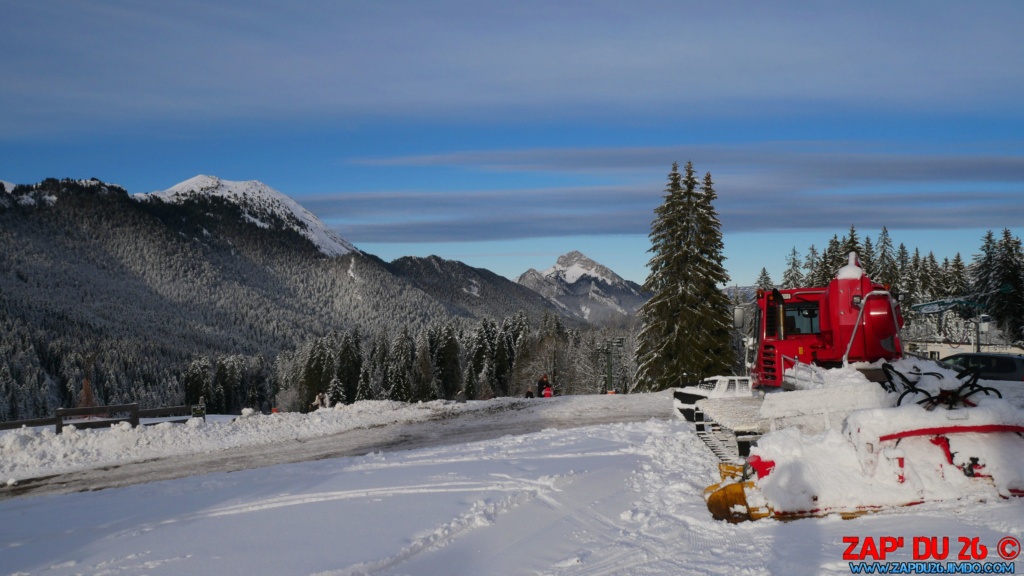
(103, 417)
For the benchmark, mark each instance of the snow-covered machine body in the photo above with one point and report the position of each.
(836, 410)
(935, 437)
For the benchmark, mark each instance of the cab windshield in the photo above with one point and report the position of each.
(801, 318)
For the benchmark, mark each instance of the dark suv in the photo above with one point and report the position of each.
(993, 366)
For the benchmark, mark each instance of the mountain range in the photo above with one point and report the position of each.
(238, 267)
(575, 287)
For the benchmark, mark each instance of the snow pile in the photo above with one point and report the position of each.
(31, 452)
(258, 200)
(852, 270)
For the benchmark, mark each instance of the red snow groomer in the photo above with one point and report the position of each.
(853, 319)
(827, 441)
(798, 335)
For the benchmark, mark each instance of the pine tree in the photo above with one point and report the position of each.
(426, 386)
(957, 279)
(834, 258)
(910, 276)
(685, 334)
(956, 285)
(318, 372)
(764, 281)
(7, 386)
(1006, 304)
(850, 243)
(216, 402)
(811, 263)
(349, 367)
(932, 286)
(867, 257)
(886, 269)
(336, 392)
(716, 313)
(378, 367)
(401, 367)
(504, 360)
(984, 284)
(480, 366)
(792, 277)
(448, 366)
(825, 267)
(363, 391)
(197, 380)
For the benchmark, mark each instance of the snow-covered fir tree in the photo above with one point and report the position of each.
(886, 267)
(851, 243)
(811, 263)
(793, 277)
(984, 283)
(401, 367)
(685, 333)
(449, 361)
(1004, 299)
(866, 254)
(958, 280)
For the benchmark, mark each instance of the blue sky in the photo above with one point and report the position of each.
(504, 134)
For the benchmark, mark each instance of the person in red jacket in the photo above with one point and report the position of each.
(541, 384)
(548, 392)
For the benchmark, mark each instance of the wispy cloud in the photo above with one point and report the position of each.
(844, 161)
(761, 187)
(99, 64)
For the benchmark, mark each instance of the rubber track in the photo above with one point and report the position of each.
(721, 441)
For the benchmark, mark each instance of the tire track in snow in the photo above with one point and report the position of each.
(668, 516)
(481, 514)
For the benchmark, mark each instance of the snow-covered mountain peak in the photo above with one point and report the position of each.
(575, 265)
(585, 287)
(258, 202)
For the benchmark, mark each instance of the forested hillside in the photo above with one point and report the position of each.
(130, 292)
(468, 291)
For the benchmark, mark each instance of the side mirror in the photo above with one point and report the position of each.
(737, 317)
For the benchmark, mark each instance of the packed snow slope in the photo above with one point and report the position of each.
(553, 499)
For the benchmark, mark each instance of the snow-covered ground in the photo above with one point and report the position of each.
(615, 498)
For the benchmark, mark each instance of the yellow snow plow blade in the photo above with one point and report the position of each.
(727, 500)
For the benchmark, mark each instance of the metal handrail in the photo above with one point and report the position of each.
(860, 317)
(817, 374)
